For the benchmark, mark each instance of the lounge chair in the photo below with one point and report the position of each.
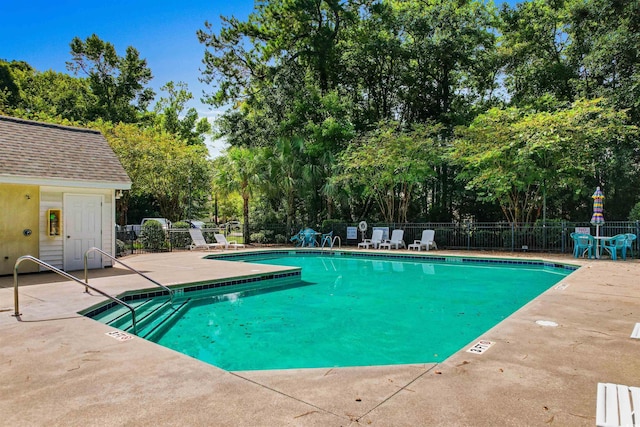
(395, 240)
(583, 243)
(375, 240)
(636, 333)
(198, 240)
(425, 242)
(223, 242)
(615, 244)
(617, 405)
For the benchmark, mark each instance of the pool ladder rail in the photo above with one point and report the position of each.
(85, 283)
(16, 302)
(332, 242)
(94, 249)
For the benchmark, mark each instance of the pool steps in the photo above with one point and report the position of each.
(153, 316)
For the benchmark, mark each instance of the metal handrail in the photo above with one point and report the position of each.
(86, 270)
(323, 242)
(332, 243)
(68, 276)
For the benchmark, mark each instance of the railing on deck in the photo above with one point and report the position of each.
(552, 236)
(67, 276)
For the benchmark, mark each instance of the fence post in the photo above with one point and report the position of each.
(637, 233)
(563, 234)
(513, 237)
(468, 236)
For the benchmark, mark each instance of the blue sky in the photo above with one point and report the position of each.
(164, 32)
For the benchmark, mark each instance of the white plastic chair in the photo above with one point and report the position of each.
(395, 240)
(375, 240)
(617, 405)
(223, 242)
(425, 242)
(198, 240)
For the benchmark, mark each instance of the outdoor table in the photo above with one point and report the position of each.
(311, 243)
(598, 246)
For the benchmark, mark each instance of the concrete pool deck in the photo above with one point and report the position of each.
(60, 368)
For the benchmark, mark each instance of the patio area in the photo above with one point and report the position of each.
(60, 368)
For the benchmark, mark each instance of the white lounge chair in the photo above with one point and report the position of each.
(375, 240)
(425, 242)
(223, 242)
(395, 240)
(636, 333)
(198, 240)
(617, 405)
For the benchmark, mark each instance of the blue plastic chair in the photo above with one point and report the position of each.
(309, 238)
(615, 244)
(629, 242)
(298, 239)
(582, 243)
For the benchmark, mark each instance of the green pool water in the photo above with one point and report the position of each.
(356, 312)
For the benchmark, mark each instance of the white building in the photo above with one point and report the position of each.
(58, 188)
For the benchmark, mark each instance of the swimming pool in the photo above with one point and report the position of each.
(355, 310)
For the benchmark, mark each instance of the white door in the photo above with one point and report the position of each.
(82, 230)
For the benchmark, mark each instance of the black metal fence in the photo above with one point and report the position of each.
(552, 236)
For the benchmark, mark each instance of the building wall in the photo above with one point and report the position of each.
(24, 207)
(19, 206)
(52, 248)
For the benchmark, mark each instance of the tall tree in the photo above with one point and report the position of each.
(172, 117)
(606, 50)
(117, 82)
(239, 171)
(177, 176)
(389, 165)
(446, 43)
(47, 95)
(535, 42)
(519, 158)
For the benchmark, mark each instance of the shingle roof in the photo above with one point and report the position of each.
(46, 152)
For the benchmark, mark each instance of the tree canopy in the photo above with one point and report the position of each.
(504, 93)
(389, 110)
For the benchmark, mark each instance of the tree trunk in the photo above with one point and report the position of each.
(245, 214)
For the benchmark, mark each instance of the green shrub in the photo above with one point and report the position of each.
(258, 237)
(446, 237)
(263, 236)
(153, 237)
(330, 224)
(120, 247)
(280, 239)
(634, 215)
(180, 239)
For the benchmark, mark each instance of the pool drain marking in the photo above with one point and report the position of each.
(549, 323)
(480, 347)
(119, 335)
(562, 287)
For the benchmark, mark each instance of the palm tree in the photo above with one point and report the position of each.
(285, 171)
(238, 171)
